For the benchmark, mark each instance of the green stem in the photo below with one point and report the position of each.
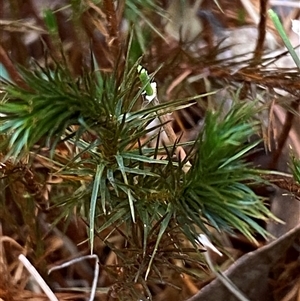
(284, 37)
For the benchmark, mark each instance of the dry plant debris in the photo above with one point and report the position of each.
(192, 48)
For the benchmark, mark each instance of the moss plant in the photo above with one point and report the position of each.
(114, 178)
(93, 132)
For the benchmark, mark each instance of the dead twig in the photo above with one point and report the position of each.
(262, 32)
(11, 69)
(288, 123)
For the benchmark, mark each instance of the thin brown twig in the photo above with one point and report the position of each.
(289, 119)
(112, 25)
(270, 133)
(262, 32)
(11, 69)
(282, 81)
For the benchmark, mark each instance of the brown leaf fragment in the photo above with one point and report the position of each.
(250, 273)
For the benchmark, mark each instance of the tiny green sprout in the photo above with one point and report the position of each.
(145, 80)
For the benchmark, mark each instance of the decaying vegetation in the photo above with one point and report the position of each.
(133, 134)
